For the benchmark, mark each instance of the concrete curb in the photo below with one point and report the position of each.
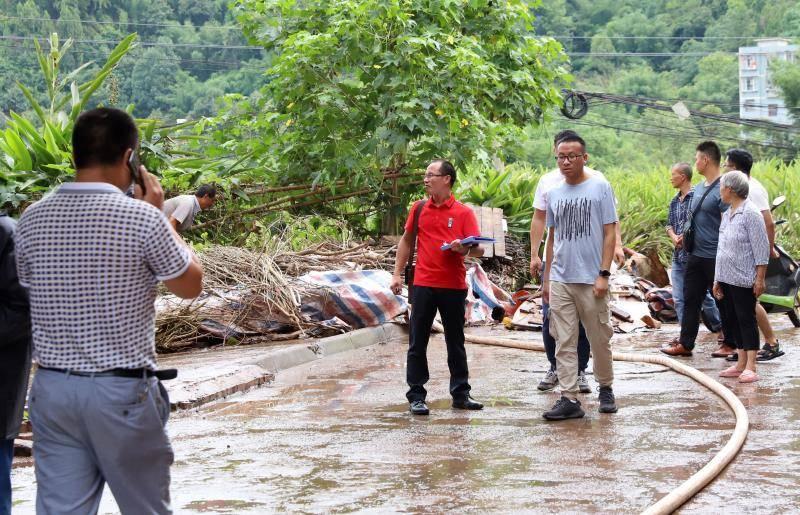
(318, 349)
(263, 369)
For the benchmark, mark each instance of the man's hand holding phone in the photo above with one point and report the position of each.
(134, 165)
(150, 190)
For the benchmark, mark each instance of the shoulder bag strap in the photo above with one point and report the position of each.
(700, 204)
(414, 230)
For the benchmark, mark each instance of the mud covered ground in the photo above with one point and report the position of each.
(336, 436)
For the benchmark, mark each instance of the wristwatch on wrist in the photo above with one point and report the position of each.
(605, 273)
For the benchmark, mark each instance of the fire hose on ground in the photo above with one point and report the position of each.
(678, 496)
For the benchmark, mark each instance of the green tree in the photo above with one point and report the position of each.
(717, 82)
(601, 44)
(553, 18)
(642, 80)
(786, 76)
(738, 20)
(152, 78)
(360, 86)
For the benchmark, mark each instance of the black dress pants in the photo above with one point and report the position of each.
(698, 279)
(740, 303)
(451, 304)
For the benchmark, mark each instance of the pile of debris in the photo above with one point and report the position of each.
(510, 272)
(278, 294)
(638, 302)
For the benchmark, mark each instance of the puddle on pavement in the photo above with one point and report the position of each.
(337, 436)
(221, 506)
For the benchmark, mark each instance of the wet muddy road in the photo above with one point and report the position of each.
(336, 436)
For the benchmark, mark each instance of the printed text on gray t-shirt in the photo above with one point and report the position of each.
(578, 214)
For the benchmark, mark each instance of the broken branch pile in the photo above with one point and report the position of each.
(253, 296)
(336, 256)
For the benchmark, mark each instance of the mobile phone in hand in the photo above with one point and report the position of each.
(134, 165)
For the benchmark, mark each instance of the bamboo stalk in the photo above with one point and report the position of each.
(277, 205)
(297, 187)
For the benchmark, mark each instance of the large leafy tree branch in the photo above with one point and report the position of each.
(786, 75)
(357, 87)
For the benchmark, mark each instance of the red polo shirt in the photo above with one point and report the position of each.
(439, 225)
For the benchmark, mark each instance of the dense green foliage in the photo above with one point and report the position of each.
(362, 90)
(662, 50)
(360, 87)
(183, 64)
(344, 94)
(643, 200)
(36, 154)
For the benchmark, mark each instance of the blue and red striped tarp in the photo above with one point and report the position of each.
(360, 298)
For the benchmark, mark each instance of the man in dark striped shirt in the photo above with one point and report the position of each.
(681, 179)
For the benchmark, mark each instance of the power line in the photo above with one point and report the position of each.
(237, 27)
(216, 64)
(677, 38)
(259, 48)
(647, 103)
(125, 23)
(673, 131)
(722, 104)
(678, 136)
(142, 43)
(646, 54)
(711, 102)
(683, 133)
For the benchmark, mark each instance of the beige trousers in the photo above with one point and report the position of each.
(570, 303)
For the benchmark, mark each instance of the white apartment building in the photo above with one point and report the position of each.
(759, 98)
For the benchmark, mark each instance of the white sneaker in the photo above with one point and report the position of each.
(549, 381)
(583, 382)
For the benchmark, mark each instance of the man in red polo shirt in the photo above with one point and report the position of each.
(439, 283)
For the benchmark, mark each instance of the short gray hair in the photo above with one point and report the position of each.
(684, 169)
(738, 183)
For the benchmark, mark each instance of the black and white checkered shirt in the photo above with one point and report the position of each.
(743, 245)
(92, 258)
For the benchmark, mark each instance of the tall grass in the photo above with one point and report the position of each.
(644, 198)
(643, 201)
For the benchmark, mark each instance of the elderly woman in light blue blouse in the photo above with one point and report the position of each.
(742, 257)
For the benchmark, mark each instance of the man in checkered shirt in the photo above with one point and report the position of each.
(92, 258)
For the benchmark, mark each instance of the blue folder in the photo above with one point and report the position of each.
(471, 241)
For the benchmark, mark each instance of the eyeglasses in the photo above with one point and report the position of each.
(569, 157)
(429, 175)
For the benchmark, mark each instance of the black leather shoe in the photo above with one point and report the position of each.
(467, 403)
(419, 408)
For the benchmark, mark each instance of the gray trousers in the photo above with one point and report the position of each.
(88, 431)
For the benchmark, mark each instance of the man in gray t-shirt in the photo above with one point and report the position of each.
(582, 216)
(579, 212)
(707, 220)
